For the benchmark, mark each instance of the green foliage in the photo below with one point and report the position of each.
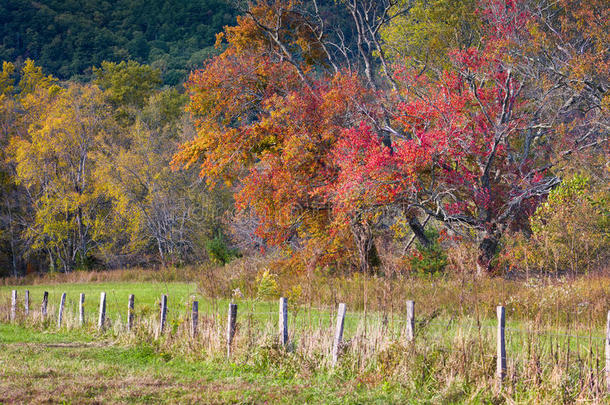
(219, 251)
(127, 84)
(127, 87)
(267, 287)
(572, 191)
(571, 230)
(429, 260)
(68, 37)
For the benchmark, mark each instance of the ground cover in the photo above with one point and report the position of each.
(68, 367)
(452, 359)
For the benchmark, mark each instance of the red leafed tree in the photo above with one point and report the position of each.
(461, 160)
(482, 141)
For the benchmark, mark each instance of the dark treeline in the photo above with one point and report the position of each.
(68, 37)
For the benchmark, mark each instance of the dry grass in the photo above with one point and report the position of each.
(451, 359)
(578, 303)
(188, 273)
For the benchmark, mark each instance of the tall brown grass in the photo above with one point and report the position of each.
(187, 273)
(576, 302)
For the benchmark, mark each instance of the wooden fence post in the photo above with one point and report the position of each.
(26, 302)
(60, 314)
(101, 320)
(608, 352)
(338, 333)
(410, 320)
(283, 321)
(195, 318)
(231, 326)
(501, 348)
(163, 315)
(130, 307)
(81, 309)
(45, 302)
(13, 305)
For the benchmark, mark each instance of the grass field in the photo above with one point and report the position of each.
(147, 298)
(147, 295)
(38, 367)
(451, 361)
(75, 366)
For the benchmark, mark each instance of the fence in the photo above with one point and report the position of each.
(409, 322)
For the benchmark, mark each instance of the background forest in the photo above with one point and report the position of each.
(375, 136)
(68, 37)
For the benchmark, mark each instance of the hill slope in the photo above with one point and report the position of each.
(67, 37)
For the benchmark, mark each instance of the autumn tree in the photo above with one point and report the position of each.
(54, 163)
(85, 173)
(19, 108)
(127, 86)
(485, 141)
(473, 142)
(159, 215)
(269, 110)
(169, 215)
(9, 234)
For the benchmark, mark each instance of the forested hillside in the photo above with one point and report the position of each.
(68, 37)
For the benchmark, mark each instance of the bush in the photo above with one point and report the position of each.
(267, 286)
(219, 251)
(431, 259)
(570, 231)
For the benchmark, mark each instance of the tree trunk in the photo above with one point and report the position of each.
(487, 251)
(368, 257)
(418, 231)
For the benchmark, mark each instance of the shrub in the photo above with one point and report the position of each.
(267, 285)
(570, 231)
(219, 251)
(429, 259)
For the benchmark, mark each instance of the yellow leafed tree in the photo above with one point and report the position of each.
(55, 164)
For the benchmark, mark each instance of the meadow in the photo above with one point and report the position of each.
(451, 360)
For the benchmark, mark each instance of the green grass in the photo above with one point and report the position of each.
(147, 294)
(67, 367)
(180, 296)
(452, 360)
